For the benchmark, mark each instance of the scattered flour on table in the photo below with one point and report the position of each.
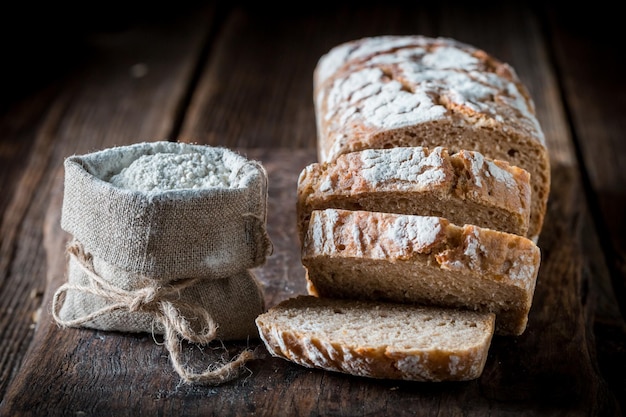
(169, 171)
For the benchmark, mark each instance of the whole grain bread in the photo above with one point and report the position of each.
(465, 187)
(393, 91)
(378, 340)
(421, 259)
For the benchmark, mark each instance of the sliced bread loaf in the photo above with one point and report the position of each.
(421, 259)
(393, 91)
(379, 340)
(465, 187)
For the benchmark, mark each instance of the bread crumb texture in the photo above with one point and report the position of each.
(379, 340)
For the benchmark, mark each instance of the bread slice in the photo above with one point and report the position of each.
(393, 91)
(465, 187)
(420, 259)
(379, 340)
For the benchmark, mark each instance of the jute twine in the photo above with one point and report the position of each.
(164, 304)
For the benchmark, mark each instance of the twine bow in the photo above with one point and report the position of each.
(165, 305)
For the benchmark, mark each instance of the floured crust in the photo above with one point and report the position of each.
(393, 91)
(420, 259)
(379, 340)
(465, 187)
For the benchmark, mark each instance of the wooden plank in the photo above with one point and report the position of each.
(21, 291)
(589, 56)
(591, 64)
(106, 105)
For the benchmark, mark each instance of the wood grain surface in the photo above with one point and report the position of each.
(240, 75)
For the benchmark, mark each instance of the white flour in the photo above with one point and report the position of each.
(406, 166)
(170, 171)
(481, 167)
(414, 234)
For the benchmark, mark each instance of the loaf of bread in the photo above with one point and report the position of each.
(423, 260)
(465, 187)
(379, 340)
(419, 221)
(394, 91)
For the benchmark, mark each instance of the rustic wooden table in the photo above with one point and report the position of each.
(240, 75)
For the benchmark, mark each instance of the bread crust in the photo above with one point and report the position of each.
(465, 187)
(393, 91)
(441, 344)
(424, 260)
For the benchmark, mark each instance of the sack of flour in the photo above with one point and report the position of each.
(163, 239)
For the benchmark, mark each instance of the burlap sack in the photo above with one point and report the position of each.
(171, 262)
